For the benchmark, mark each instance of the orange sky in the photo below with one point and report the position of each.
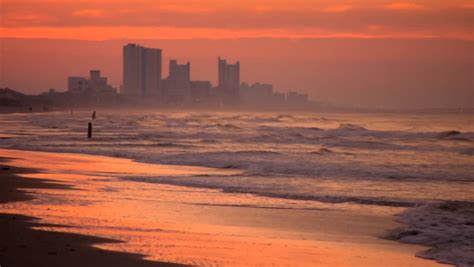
(377, 53)
(184, 19)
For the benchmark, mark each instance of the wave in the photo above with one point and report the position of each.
(333, 199)
(228, 126)
(448, 134)
(456, 136)
(351, 127)
(172, 145)
(326, 161)
(448, 228)
(391, 202)
(321, 151)
(469, 151)
(298, 145)
(256, 153)
(285, 117)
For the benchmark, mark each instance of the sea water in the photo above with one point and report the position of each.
(301, 160)
(376, 159)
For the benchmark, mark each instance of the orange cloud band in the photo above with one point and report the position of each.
(126, 32)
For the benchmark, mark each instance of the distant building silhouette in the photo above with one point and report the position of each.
(178, 84)
(77, 84)
(95, 84)
(142, 78)
(257, 93)
(294, 98)
(141, 71)
(96, 81)
(200, 91)
(229, 74)
(228, 80)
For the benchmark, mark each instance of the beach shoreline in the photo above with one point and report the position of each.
(308, 247)
(21, 244)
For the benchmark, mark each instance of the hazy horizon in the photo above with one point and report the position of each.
(368, 53)
(375, 73)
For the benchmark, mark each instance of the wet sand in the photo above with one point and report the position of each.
(23, 245)
(171, 223)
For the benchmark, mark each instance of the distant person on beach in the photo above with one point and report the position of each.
(93, 115)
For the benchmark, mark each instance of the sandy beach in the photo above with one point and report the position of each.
(72, 208)
(23, 243)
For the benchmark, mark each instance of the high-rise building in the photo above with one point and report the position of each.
(178, 83)
(77, 84)
(95, 83)
(141, 71)
(229, 74)
(200, 90)
(295, 98)
(180, 75)
(229, 81)
(132, 70)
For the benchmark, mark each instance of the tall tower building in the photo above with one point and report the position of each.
(229, 74)
(178, 83)
(180, 75)
(141, 71)
(229, 81)
(133, 83)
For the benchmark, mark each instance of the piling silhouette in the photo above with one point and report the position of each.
(89, 130)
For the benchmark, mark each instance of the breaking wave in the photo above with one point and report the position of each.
(448, 228)
(391, 202)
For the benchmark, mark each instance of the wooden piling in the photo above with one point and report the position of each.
(89, 130)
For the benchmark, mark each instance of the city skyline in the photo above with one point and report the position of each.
(143, 82)
(376, 54)
(396, 74)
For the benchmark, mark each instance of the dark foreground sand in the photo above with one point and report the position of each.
(21, 245)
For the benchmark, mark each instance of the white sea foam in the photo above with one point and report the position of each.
(448, 228)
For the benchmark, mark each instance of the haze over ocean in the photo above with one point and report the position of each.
(362, 73)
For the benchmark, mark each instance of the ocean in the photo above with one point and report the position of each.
(376, 159)
(337, 161)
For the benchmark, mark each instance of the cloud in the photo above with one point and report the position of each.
(298, 18)
(337, 9)
(173, 8)
(468, 6)
(91, 13)
(127, 32)
(262, 9)
(375, 28)
(22, 18)
(405, 6)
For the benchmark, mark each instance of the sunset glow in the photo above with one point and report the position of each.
(393, 53)
(100, 20)
(176, 133)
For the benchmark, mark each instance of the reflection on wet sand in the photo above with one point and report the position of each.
(201, 226)
(23, 245)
